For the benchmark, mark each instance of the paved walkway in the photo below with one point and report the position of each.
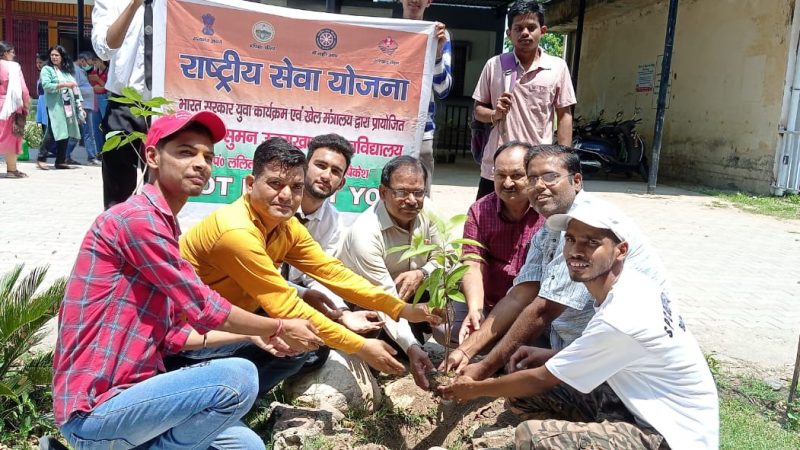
(735, 273)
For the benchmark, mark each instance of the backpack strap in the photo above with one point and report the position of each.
(508, 65)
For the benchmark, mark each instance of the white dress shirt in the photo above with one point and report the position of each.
(363, 251)
(325, 227)
(126, 63)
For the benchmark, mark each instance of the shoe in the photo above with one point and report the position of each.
(16, 174)
(94, 162)
(65, 166)
(73, 162)
(42, 165)
(51, 443)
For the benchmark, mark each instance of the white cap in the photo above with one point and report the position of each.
(594, 214)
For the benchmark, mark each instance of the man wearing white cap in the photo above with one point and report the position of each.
(636, 341)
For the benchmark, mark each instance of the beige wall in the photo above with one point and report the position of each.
(728, 71)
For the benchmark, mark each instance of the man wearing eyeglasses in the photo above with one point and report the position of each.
(393, 221)
(503, 222)
(544, 295)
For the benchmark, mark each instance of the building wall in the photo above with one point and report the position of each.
(726, 89)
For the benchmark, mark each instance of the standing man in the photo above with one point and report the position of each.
(118, 37)
(239, 248)
(98, 78)
(503, 222)
(637, 342)
(522, 104)
(393, 221)
(83, 65)
(131, 299)
(442, 79)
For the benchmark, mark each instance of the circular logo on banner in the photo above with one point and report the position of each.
(263, 31)
(326, 39)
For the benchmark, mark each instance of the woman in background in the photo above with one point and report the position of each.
(64, 105)
(14, 102)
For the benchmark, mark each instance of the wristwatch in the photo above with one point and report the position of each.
(425, 273)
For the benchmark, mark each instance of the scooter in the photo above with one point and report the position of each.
(614, 147)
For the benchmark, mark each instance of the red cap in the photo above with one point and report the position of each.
(167, 125)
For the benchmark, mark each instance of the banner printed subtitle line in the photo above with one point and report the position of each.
(390, 122)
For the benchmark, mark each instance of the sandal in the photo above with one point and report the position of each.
(42, 165)
(16, 174)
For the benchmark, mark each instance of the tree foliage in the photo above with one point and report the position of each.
(552, 43)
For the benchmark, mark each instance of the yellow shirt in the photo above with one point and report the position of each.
(228, 251)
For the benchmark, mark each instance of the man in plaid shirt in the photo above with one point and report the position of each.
(131, 300)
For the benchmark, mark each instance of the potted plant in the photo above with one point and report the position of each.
(443, 286)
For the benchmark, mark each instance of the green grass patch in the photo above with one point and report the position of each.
(786, 207)
(744, 425)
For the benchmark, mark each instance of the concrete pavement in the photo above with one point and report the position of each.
(735, 274)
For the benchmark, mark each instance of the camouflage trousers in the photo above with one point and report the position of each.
(565, 418)
(562, 434)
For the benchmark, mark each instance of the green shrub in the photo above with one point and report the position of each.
(33, 134)
(25, 378)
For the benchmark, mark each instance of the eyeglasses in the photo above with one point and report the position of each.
(402, 193)
(549, 179)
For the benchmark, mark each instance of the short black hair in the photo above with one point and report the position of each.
(523, 7)
(86, 54)
(193, 127)
(400, 162)
(277, 150)
(334, 142)
(527, 146)
(568, 155)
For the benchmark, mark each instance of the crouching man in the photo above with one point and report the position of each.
(636, 341)
(131, 299)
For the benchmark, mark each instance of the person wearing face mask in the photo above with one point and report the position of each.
(83, 67)
(393, 221)
(504, 223)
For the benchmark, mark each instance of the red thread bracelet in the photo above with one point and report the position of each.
(278, 331)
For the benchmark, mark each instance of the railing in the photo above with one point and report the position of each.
(788, 176)
(453, 132)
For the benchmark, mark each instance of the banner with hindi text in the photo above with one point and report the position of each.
(271, 71)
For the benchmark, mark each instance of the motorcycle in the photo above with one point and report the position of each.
(614, 147)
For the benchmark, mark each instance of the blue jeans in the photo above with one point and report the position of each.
(87, 131)
(97, 116)
(271, 369)
(196, 407)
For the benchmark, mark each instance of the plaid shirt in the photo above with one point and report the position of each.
(131, 299)
(505, 244)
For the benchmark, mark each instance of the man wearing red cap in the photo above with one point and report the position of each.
(131, 299)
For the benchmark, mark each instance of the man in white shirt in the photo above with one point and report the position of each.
(392, 222)
(329, 157)
(118, 37)
(637, 342)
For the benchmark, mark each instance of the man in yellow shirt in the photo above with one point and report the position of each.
(238, 250)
